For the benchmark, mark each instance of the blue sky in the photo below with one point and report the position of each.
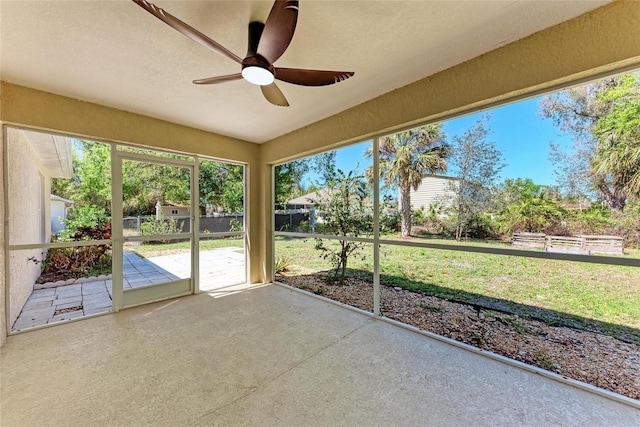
(518, 131)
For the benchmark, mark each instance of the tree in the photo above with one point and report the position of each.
(345, 212)
(90, 184)
(221, 185)
(477, 163)
(406, 158)
(617, 158)
(528, 207)
(602, 118)
(288, 176)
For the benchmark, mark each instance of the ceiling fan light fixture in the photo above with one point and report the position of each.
(258, 75)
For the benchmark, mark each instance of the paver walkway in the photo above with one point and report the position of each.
(218, 268)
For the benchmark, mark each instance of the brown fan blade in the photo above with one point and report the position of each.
(274, 95)
(218, 79)
(311, 77)
(187, 30)
(278, 30)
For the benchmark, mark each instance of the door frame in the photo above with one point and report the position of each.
(132, 297)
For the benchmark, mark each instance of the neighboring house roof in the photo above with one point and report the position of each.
(309, 198)
(174, 205)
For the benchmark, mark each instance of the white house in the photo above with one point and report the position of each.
(433, 189)
(171, 210)
(59, 210)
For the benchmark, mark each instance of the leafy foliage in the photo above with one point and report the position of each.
(478, 163)
(344, 211)
(81, 221)
(159, 226)
(288, 176)
(221, 186)
(84, 223)
(603, 119)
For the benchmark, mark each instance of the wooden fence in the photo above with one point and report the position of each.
(583, 244)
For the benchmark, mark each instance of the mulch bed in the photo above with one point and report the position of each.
(590, 357)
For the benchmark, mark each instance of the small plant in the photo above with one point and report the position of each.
(345, 212)
(390, 222)
(430, 308)
(543, 359)
(518, 327)
(281, 264)
(285, 227)
(418, 216)
(304, 227)
(235, 225)
(478, 339)
(83, 218)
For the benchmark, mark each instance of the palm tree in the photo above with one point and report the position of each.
(406, 157)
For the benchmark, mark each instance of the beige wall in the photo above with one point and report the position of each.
(3, 312)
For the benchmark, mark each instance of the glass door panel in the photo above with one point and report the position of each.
(156, 229)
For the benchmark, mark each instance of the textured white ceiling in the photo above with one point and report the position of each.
(116, 54)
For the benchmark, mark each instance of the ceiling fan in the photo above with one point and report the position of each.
(267, 42)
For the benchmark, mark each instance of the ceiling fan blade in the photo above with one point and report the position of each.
(311, 77)
(278, 30)
(187, 30)
(274, 95)
(218, 79)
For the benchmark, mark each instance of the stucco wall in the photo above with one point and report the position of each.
(28, 211)
(3, 313)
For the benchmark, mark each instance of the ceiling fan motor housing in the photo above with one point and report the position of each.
(255, 68)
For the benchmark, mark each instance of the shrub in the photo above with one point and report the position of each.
(304, 227)
(81, 261)
(235, 225)
(345, 212)
(160, 226)
(418, 216)
(390, 222)
(85, 218)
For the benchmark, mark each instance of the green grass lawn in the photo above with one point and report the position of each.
(593, 296)
(587, 295)
(154, 250)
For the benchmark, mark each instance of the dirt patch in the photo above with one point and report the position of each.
(590, 357)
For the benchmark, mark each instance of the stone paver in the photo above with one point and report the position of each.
(218, 268)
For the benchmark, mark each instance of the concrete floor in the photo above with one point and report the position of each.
(275, 357)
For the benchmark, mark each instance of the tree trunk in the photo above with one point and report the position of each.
(343, 260)
(405, 201)
(615, 201)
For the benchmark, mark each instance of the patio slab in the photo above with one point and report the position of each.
(219, 267)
